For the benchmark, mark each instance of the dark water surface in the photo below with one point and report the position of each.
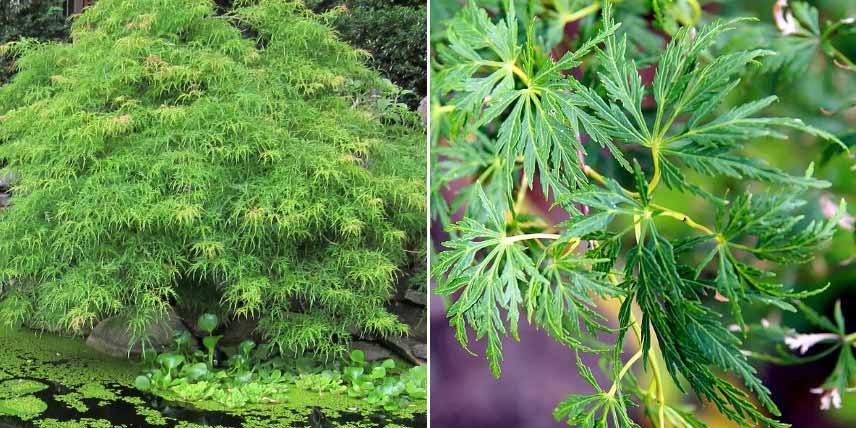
(66, 364)
(121, 413)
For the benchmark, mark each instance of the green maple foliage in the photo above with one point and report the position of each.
(169, 151)
(514, 115)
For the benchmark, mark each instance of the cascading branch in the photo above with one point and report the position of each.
(513, 116)
(171, 152)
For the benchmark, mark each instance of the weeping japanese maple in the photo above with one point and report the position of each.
(172, 151)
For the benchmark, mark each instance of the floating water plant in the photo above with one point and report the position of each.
(255, 376)
(18, 387)
(88, 390)
(25, 407)
(16, 399)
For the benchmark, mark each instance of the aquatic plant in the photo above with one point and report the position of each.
(511, 115)
(90, 390)
(253, 376)
(25, 407)
(378, 387)
(229, 155)
(16, 398)
(17, 387)
(208, 322)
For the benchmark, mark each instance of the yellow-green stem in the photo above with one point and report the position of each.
(521, 74)
(596, 176)
(614, 389)
(656, 374)
(655, 156)
(516, 238)
(582, 13)
(683, 218)
(521, 195)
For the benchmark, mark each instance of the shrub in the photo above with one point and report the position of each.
(394, 33)
(30, 18)
(42, 19)
(175, 156)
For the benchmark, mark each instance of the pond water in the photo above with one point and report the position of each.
(55, 382)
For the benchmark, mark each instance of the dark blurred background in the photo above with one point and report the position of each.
(538, 373)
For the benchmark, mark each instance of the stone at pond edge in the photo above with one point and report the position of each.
(410, 349)
(416, 297)
(415, 316)
(6, 181)
(372, 351)
(240, 330)
(423, 109)
(113, 338)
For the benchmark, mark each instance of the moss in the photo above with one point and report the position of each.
(19, 387)
(26, 407)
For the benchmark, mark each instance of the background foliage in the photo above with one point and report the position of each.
(393, 32)
(185, 153)
(41, 19)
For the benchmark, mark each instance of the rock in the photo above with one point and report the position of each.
(413, 347)
(423, 109)
(112, 337)
(417, 297)
(420, 350)
(408, 348)
(373, 351)
(6, 181)
(238, 331)
(189, 318)
(415, 316)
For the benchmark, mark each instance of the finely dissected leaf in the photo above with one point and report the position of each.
(493, 79)
(691, 338)
(496, 275)
(800, 37)
(537, 117)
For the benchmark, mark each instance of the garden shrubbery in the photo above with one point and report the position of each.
(171, 152)
(41, 19)
(393, 32)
